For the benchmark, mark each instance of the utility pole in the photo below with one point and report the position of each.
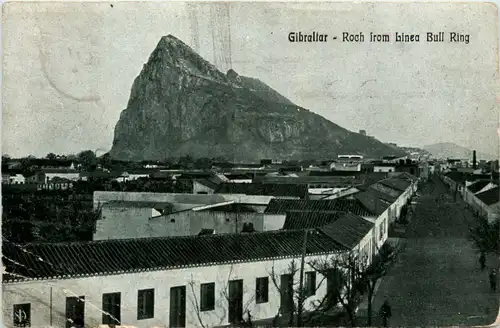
(301, 281)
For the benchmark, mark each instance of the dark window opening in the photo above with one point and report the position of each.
(145, 304)
(75, 312)
(22, 315)
(172, 220)
(111, 309)
(310, 283)
(207, 298)
(262, 290)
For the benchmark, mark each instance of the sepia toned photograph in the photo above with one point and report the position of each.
(250, 164)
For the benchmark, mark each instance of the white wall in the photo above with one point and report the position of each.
(199, 188)
(48, 298)
(384, 168)
(274, 221)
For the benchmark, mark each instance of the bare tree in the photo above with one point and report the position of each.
(221, 303)
(352, 275)
(291, 270)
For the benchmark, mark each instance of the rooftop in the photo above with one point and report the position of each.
(83, 259)
(308, 220)
(490, 197)
(282, 206)
(348, 230)
(478, 185)
(263, 189)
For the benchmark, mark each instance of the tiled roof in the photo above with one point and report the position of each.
(490, 197)
(348, 230)
(208, 183)
(65, 260)
(233, 208)
(340, 181)
(281, 206)
(336, 173)
(478, 185)
(385, 192)
(308, 220)
(395, 183)
(376, 202)
(263, 189)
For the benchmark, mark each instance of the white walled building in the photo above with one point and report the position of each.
(161, 282)
(141, 215)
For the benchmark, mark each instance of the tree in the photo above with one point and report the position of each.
(87, 159)
(485, 235)
(345, 273)
(220, 302)
(374, 272)
(51, 156)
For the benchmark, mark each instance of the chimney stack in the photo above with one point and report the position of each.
(474, 160)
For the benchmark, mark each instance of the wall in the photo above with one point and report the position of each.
(106, 196)
(48, 298)
(384, 169)
(191, 223)
(274, 221)
(122, 222)
(199, 188)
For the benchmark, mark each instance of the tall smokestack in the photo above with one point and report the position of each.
(474, 160)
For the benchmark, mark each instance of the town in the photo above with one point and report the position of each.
(91, 241)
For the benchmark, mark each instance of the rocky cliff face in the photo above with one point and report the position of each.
(180, 104)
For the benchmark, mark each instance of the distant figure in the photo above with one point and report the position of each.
(385, 312)
(482, 261)
(493, 280)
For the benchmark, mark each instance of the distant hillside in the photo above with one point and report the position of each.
(451, 150)
(416, 153)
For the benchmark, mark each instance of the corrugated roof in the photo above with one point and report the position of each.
(65, 260)
(308, 220)
(490, 196)
(263, 189)
(281, 206)
(478, 185)
(348, 230)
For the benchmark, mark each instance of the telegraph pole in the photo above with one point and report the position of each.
(301, 282)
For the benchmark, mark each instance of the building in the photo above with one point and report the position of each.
(68, 174)
(208, 280)
(140, 215)
(385, 167)
(293, 191)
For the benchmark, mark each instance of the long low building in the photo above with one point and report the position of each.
(189, 281)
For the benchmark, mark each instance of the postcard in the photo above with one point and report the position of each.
(215, 164)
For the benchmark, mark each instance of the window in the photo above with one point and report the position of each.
(262, 290)
(22, 315)
(310, 284)
(145, 304)
(207, 298)
(75, 312)
(111, 308)
(381, 229)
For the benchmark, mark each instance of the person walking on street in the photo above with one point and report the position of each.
(482, 261)
(493, 280)
(385, 312)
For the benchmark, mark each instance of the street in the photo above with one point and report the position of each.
(436, 279)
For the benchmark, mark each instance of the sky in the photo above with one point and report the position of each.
(68, 67)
